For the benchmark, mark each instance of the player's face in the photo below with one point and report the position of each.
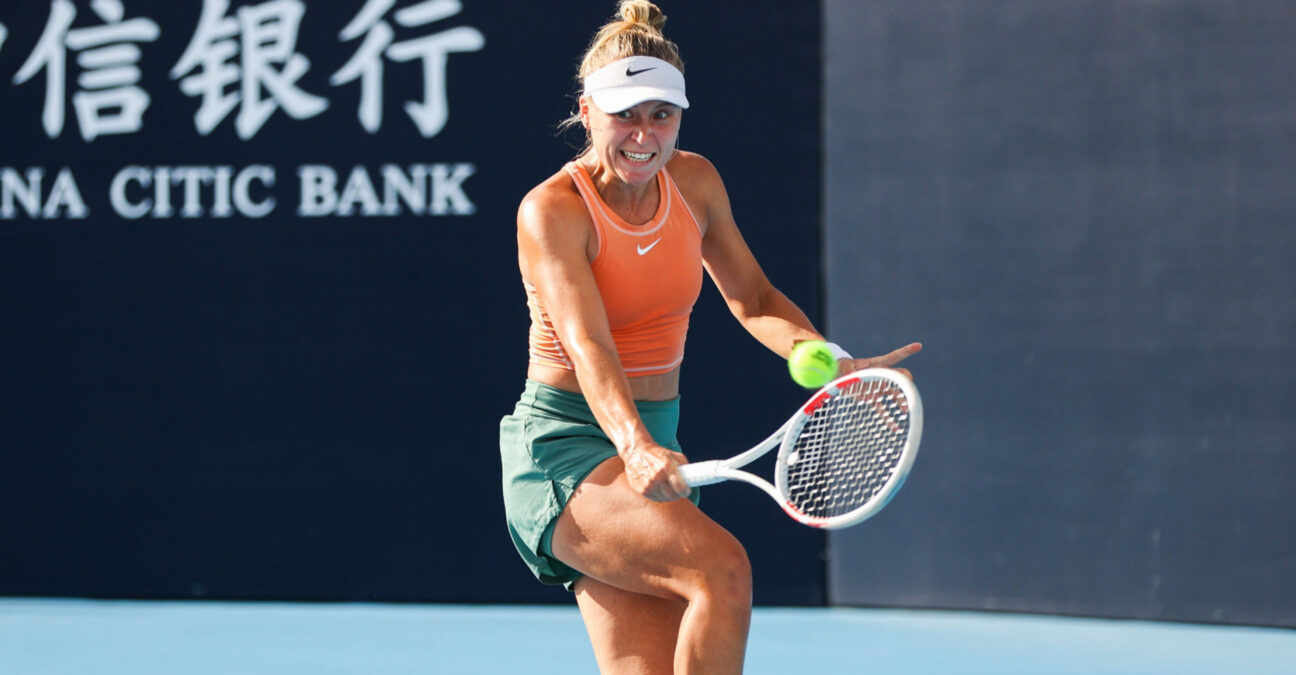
(637, 142)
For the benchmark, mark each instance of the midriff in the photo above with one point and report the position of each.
(661, 387)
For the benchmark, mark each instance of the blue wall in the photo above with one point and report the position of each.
(1086, 212)
(292, 406)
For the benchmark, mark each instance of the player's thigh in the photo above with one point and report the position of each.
(667, 549)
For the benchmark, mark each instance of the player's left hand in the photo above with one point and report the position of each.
(885, 361)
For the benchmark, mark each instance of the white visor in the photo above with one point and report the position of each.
(627, 83)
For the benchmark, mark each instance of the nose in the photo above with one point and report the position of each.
(640, 133)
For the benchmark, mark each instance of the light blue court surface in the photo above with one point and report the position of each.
(57, 637)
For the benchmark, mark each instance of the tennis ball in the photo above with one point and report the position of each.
(811, 364)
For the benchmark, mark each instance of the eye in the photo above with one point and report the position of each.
(665, 112)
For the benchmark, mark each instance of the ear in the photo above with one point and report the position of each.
(584, 111)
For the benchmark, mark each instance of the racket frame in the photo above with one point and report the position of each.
(697, 474)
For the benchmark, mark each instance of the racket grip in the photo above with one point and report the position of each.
(697, 474)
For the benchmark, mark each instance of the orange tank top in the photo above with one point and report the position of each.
(648, 275)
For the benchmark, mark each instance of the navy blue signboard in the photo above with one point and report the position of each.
(260, 295)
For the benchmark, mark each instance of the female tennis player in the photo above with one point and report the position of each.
(612, 250)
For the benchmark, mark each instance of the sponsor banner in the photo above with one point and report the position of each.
(98, 84)
(262, 308)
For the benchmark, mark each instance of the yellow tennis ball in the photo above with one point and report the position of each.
(811, 364)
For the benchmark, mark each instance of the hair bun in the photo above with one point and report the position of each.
(642, 11)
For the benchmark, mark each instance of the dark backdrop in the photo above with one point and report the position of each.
(1082, 210)
(1086, 212)
(292, 407)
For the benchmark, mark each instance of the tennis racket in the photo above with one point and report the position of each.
(841, 457)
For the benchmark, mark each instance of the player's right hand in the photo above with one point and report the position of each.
(653, 471)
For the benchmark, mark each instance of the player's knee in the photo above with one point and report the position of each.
(729, 575)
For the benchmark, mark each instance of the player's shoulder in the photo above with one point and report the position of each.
(554, 200)
(691, 168)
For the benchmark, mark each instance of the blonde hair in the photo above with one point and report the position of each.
(636, 30)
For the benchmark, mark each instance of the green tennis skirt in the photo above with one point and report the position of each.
(548, 446)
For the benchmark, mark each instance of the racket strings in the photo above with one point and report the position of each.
(848, 450)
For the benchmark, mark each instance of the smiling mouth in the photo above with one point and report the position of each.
(637, 156)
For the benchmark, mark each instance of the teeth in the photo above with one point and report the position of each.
(637, 156)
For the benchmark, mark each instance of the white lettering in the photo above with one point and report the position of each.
(434, 50)
(423, 189)
(263, 38)
(108, 101)
(318, 190)
(117, 192)
(28, 194)
(411, 189)
(359, 189)
(223, 191)
(162, 192)
(221, 207)
(242, 198)
(447, 189)
(65, 195)
(162, 184)
(193, 177)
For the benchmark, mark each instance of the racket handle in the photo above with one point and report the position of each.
(698, 474)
